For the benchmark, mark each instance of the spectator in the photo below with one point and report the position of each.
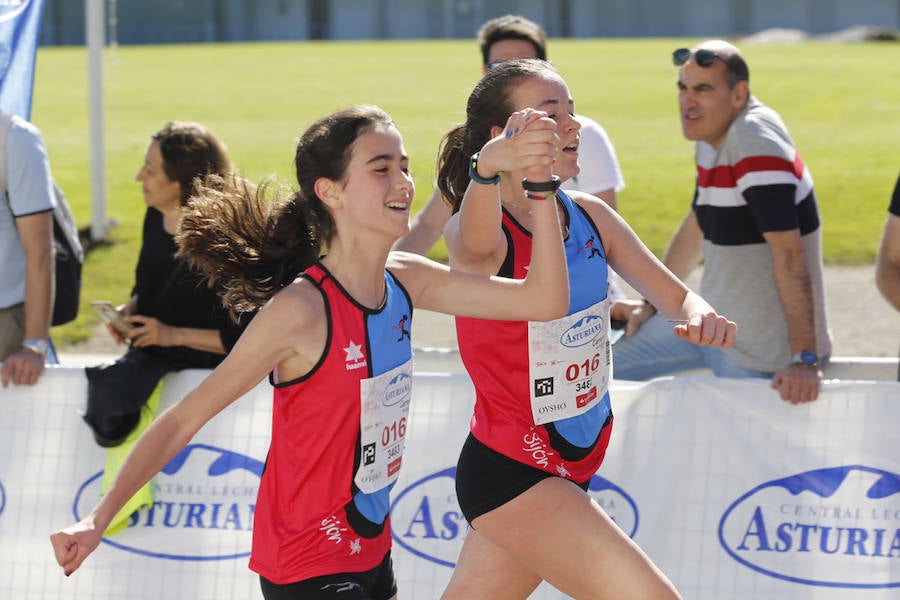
(887, 268)
(542, 417)
(332, 337)
(507, 38)
(178, 321)
(755, 223)
(27, 266)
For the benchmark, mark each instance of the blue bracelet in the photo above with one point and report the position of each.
(474, 176)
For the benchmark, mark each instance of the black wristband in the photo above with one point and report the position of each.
(541, 186)
(474, 176)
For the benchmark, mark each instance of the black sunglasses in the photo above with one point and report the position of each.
(702, 57)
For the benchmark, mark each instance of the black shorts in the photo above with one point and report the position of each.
(375, 584)
(486, 479)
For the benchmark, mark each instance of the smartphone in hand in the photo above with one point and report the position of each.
(108, 313)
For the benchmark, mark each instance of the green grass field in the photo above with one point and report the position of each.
(840, 102)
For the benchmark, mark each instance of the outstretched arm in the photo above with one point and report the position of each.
(527, 146)
(698, 322)
(682, 256)
(541, 296)
(284, 333)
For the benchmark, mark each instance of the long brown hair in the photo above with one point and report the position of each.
(489, 105)
(253, 241)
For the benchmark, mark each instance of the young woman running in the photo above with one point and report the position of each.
(332, 341)
(542, 415)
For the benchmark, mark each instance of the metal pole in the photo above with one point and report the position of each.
(94, 26)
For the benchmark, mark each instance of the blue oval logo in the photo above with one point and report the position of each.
(399, 388)
(206, 492)
(427, 522)
(582, 332)
(618, 504)
(10, 9)
(837, 527)
(426, 519)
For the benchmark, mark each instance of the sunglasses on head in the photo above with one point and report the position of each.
(702, 57)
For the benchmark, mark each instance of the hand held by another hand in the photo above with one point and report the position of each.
(527, 143)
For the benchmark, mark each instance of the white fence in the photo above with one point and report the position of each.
(733, 493)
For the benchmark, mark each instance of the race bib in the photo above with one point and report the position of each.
(383, 417)
(569, 363)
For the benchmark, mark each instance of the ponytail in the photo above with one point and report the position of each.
(452, 167)
(489, 105)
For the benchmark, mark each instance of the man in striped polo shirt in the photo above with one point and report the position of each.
(755, 224)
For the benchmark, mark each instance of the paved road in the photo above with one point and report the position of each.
(862, 322)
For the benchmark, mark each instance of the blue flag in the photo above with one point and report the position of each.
(20, 27)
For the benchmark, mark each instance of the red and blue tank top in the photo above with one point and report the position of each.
(337, 443)
(499, 357)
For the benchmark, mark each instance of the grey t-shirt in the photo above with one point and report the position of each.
(755, 182)
(30, 191)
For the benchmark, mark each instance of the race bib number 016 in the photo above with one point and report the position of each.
(383, 417)
(569, 363)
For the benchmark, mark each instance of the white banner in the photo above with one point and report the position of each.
(732, 492)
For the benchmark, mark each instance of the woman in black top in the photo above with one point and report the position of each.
(177, 320)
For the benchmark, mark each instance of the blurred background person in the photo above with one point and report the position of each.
(543, 414)
(754, 222)
(26, 245)
(507, 38)
(176, 320)
(887, 266)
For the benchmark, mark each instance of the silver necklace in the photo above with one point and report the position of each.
(530, 212)
(527, 211)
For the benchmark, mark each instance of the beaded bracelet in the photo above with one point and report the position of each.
(531, 196)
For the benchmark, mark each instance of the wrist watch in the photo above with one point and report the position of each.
(806, 357)
(37, 345)
(474, 176)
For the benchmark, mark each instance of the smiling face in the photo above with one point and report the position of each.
(707, 104)
(549, 93)
(160, 192)
(377, 183)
